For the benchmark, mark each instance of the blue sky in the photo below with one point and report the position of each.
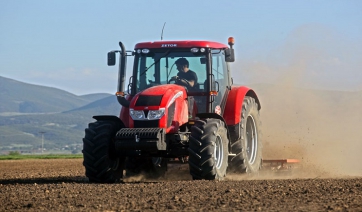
(63, 44)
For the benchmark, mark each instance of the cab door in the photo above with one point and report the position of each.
(220, 80)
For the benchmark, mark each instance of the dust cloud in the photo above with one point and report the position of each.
(311, 99)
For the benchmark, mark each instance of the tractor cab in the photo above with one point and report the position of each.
(155, 64)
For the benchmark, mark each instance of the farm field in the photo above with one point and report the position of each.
(60, 185)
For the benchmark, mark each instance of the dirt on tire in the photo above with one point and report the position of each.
(60, 185)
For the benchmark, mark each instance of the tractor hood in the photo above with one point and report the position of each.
(162, 106)
(163, 89)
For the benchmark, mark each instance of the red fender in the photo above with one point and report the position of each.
(234, 103)
(124, 114)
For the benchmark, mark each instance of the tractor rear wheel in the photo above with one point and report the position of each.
(248, 148)
(100, 160)
(208, 150)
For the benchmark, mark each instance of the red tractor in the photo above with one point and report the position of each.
(170, 117)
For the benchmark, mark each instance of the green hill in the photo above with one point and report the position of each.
(20, 97)
(96, 96)
(62, 130)
(26, 110)
(105, 106)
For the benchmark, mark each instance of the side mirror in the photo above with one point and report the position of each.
(203, 60)
(229, 55)
(111, 58)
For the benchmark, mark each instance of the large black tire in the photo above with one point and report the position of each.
(102, 165)
(151, 167)
(248, 149)
(208, 150)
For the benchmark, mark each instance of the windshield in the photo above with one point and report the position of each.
(156, 68)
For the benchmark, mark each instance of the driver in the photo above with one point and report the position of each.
(185, 76)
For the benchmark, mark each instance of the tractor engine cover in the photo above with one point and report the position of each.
(145, 139)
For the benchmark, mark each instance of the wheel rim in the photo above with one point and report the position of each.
(218, 152)
(115, 164)
(251, 139)
(157, 161)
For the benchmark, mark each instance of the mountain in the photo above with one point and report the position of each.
(26, 110)
(95, 96)
(105, 106)
(20, 97)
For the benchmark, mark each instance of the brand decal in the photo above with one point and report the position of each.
(218, 109)
(169, 45)
(174, 98)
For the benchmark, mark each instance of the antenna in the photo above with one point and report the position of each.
(162, 30)
(42, 141)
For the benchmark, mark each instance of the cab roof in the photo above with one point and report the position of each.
(180, 44)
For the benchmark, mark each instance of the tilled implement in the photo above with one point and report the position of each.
(280, 164)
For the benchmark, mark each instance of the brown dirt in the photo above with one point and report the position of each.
(60, 185)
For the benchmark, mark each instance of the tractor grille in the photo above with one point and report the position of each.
(146, 124)
(149, 100)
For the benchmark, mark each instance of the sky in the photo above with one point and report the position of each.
(63, 44)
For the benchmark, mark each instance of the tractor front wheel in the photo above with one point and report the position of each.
(101, 163)
(208, 150)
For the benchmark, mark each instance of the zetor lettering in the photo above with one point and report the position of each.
(169, 45)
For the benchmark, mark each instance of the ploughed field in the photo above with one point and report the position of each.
(60, 185)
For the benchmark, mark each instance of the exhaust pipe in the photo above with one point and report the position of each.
(121, 77)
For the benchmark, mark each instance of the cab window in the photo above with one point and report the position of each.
(158, 68)
(220, 76)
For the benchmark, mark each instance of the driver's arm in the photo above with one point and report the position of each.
(190, 82)
(184, 82)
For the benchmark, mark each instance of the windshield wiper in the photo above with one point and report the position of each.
(166, 53)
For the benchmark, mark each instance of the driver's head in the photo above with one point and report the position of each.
(182, 64)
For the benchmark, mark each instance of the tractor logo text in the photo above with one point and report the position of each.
(169, 45)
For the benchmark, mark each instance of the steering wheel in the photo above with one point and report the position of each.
(179, 79)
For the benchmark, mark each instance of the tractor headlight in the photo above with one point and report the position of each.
(194, 50)
(156, 114)
(137, 114)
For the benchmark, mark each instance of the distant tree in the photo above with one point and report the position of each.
(14, 153)
(75, 151)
